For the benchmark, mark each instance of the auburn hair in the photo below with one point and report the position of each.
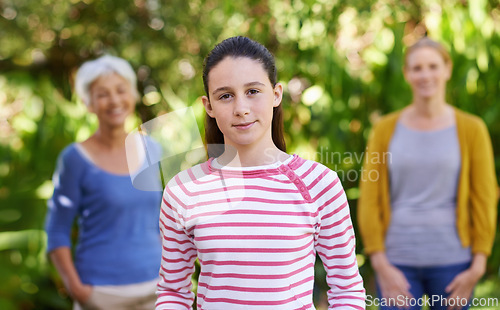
(428, 42)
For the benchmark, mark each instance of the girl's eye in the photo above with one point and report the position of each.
(101, 95)
(253, 91)
(224, 96)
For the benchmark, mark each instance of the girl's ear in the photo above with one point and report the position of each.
(278, 94)
(208, 106)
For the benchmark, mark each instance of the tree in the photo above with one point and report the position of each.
(340, 62)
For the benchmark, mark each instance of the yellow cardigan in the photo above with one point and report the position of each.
(477, 188)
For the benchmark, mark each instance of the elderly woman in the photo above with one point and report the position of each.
(117, 257)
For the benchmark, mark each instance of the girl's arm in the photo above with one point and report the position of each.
(335, 245)
(177, 262)
(62, 260)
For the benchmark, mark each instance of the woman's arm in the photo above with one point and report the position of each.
(62, 260)
(61, 212)
(483, 198)
(373, 187)
(483, 191)
(391, 280)
(463, 284)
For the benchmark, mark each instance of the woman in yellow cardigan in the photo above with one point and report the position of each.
(427, 210)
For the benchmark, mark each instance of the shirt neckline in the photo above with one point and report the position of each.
(432, 131)
(214, 165)
(86, 157)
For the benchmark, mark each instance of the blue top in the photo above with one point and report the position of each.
(118, 235)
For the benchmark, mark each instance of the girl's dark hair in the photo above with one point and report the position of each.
(240, 47)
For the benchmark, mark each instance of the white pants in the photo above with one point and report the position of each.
(121, 298)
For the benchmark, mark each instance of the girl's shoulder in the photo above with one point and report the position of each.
(312, 168)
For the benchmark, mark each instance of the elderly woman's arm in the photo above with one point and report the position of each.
(62, 210)
(62, 260)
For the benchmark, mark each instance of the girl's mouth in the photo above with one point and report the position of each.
(244, 126)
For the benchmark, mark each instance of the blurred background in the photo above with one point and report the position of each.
(340, 63)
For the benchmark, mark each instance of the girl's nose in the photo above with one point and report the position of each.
(241, 106)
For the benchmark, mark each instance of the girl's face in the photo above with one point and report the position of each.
(427, 73)
(241, 99)
(111, 99)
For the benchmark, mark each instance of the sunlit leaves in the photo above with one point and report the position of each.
(340, 63)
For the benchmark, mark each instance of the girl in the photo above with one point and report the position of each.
(254, 216)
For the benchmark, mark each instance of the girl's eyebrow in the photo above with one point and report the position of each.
(226, 88)
(254, 84)
(221, 89)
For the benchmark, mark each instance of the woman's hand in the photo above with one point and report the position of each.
(393, 284)
(62, 260)
(461, 287)
(81, 293)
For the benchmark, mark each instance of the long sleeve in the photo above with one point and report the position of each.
(63, 206)
(335, 244)
(483, 191)
(117, 224)
(369, 204)
(257, 232)
(178, 258)
(374, 200)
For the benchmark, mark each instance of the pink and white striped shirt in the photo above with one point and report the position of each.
(256, 232)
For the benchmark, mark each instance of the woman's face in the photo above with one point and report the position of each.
(111, 99)
(241, 99)
(427, 73)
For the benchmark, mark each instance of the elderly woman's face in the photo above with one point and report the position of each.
(111, 99)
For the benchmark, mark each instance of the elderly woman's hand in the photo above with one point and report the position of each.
(81, 292)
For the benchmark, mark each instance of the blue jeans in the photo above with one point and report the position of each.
(431, 281)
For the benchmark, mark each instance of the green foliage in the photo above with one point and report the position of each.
(340, 63)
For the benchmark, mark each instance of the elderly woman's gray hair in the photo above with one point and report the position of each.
(107, 64)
